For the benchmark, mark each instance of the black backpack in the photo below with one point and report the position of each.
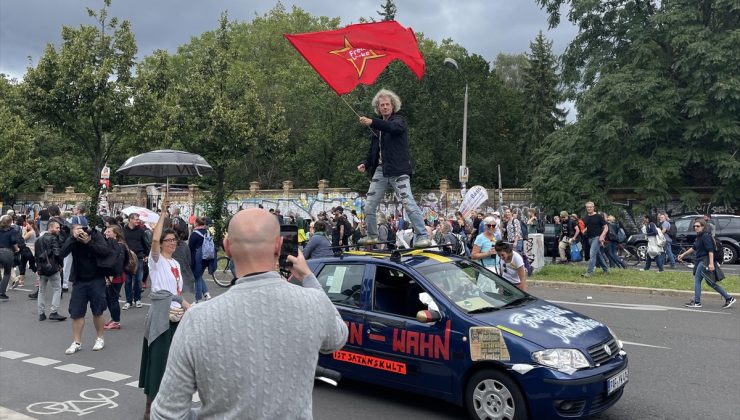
(672, 231)
(46, 263)
(525, 230)
(112, 264)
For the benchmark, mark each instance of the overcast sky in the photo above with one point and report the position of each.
(485, 27)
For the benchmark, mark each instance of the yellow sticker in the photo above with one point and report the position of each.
(510, 331)
(487, 343)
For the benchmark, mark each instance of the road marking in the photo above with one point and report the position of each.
(10, 354)
(134, 384)
(645, 345)
(42, 361)
(74, 368)
(637, 307)
(8, 414)
(109, 376)
(196, 397)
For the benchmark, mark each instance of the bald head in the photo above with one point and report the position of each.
(253, 241)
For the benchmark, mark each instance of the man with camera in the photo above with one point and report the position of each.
(86, 246)
(268, 333)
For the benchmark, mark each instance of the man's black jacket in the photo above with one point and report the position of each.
(391, 138)
(136, 241)
(84, 256)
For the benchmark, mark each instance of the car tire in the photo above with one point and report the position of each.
(492, 394)
(729, 254)
(641, 248)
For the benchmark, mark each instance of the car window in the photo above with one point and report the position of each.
(396, 292)
(471, 287)
(684, 225)
(733, 223)
(343, 283)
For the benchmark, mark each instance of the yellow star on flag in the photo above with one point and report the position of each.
(355, 55)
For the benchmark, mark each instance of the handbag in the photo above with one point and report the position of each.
(575, 252)
(176, 314)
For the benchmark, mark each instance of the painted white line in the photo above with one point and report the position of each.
(134, 384)
(74, 368)
(10, 354)
(42, 361)
(637, 307)
(8, 414)
(196, 397)
(109, 376)
(645, 345)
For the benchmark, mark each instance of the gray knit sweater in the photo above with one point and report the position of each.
(250, 353)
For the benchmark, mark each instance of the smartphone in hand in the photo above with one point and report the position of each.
(290, 244)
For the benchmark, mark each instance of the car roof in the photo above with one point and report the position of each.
(415, 258)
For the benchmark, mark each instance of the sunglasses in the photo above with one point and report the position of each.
(490, 226)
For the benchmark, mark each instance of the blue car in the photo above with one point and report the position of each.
(444, 326)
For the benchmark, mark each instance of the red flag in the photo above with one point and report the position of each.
(358, 53)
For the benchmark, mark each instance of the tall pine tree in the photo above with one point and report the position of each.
(389, 10)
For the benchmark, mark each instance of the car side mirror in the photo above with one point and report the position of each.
(428, 317)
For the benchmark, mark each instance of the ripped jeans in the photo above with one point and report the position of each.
(402, 186)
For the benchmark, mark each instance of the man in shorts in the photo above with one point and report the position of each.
(86, 245)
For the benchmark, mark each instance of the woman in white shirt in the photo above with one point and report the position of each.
(512, 265)
(166, 309)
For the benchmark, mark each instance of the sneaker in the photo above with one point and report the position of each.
(368, 240)
(422, 243)
(586, 275)
(99, 344)
(690, 265)
(34, 295)
(139, 304)
(42, 317)
(206, 296)
(112, 326)
(729, 303)
(693, 304)
(642, 269)
(125, 306)
(56, 317)
(74, 348)
(3, 296)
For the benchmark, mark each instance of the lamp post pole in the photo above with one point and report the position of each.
(463, 171)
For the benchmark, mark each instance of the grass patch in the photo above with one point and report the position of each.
(669, 279)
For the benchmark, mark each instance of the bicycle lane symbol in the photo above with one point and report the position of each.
(92, 399)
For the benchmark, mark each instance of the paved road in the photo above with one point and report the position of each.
(684, 364)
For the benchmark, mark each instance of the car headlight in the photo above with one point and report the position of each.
(619, 342)
(564, 360)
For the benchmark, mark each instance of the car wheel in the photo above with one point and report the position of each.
(729, 255)
(491, 394)
(642, 250)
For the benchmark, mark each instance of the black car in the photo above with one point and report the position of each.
(726, 228)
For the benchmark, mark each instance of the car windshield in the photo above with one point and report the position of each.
(472, 287)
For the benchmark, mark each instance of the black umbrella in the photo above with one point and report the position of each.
(165, 164)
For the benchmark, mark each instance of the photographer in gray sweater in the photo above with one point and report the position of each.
(267, 332)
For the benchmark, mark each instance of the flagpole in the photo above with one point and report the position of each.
(350, 106)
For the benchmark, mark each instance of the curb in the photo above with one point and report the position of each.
(610, 287)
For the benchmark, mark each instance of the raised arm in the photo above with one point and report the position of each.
(157, 233)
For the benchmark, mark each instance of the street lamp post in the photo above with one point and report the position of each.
(463, 172)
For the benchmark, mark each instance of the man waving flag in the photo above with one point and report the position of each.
(357, 54)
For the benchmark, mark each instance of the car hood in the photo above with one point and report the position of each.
(548, 325)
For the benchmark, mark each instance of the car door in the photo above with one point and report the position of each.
(685, 234)
(345, 284)
(413, 354)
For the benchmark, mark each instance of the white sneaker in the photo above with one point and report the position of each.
(99, 344)
(206, 296)
(139, 304)
(74, 348)
(126, 306)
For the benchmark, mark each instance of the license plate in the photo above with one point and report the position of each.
(617, 381)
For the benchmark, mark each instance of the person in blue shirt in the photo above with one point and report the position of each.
(705, 251)
(483, 247)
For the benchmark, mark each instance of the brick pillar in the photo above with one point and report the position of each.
(323, 185)
(444, 185)
(287, 186)
(254, 187)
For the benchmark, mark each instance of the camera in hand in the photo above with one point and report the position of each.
(290, 244)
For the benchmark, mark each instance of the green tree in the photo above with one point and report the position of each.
(658, 95)
(542, 95)
(82, 93)
(389, 10)
(510, 68)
